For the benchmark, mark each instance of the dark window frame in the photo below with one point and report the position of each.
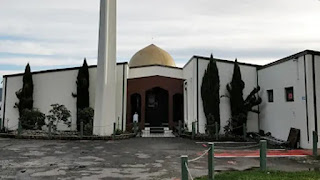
(287, 91)
(270, 95)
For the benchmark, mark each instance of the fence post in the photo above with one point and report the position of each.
(135, 128)
(193, 130)
(50, 129)
(19, 128)
(211, 161)
(184, 171)
(315, 143)
(244, 131)
(217, 130)
(263, 155)
(114, 131)
(81, 129)
(179, 130)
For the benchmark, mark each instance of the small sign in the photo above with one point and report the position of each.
(303, 98)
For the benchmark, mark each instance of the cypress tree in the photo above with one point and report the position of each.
(235, 89)
(239, 106)
(25, 95)
(210, 95)
(82, 90)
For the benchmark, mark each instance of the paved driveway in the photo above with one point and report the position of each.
(138, 158)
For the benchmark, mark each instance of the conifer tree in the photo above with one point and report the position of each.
(239, 106)
(82, 90)
(210, 95)
(25, 95)
(235, 89)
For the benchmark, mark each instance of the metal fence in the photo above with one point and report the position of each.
(186, 173)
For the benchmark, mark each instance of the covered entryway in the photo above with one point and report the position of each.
(158, 104)
(157, 107)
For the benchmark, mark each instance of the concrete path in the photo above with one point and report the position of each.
(138, 158)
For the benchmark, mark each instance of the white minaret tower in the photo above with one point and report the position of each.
(105, 102)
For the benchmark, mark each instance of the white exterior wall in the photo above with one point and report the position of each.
(279, 116)
(121, 96)
(189, 105)
(49, 88)
(249, 76)
(317, 85)
(155, 71)
(56, 87)
(12, 85)
(2, 102)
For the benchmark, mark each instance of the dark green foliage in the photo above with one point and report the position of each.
(119, 132)
(239, 106)
(25, 95)
(235, 89)
(210, 95)
(86, 116)
(57, 114)
(32, 119)
(82, 90)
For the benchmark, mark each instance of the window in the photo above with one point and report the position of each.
(270, 95)
(289, 94)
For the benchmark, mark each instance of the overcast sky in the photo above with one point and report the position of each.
(60, 33)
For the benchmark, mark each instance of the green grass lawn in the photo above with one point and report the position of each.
(273, 175)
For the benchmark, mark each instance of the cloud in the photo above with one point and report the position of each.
(62, 33)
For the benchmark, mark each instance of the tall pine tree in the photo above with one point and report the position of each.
(82, 90)
(210, 95)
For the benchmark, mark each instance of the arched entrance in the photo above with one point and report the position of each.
(177, 107)
(135, 105)
(156, 107)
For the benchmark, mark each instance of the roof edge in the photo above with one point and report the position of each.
(220, 60)
(294, 56)
(56, 70)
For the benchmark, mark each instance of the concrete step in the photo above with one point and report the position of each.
(160, 135)
(164, 133)
(156, 130)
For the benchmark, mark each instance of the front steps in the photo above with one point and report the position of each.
(157, 132)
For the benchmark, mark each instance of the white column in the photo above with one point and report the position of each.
(105, 102)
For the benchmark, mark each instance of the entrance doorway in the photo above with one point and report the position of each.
(177, 108)
(157, 107)
(135, 105)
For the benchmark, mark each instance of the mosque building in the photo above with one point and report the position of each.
(162, 94)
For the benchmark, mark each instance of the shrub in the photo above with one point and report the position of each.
(86, 116)
(119, 132)
(32, 119)
(57, 114)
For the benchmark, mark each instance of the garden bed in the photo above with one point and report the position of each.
(221, 138)
(62, 135)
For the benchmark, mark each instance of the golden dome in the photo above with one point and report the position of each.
(151, 55)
